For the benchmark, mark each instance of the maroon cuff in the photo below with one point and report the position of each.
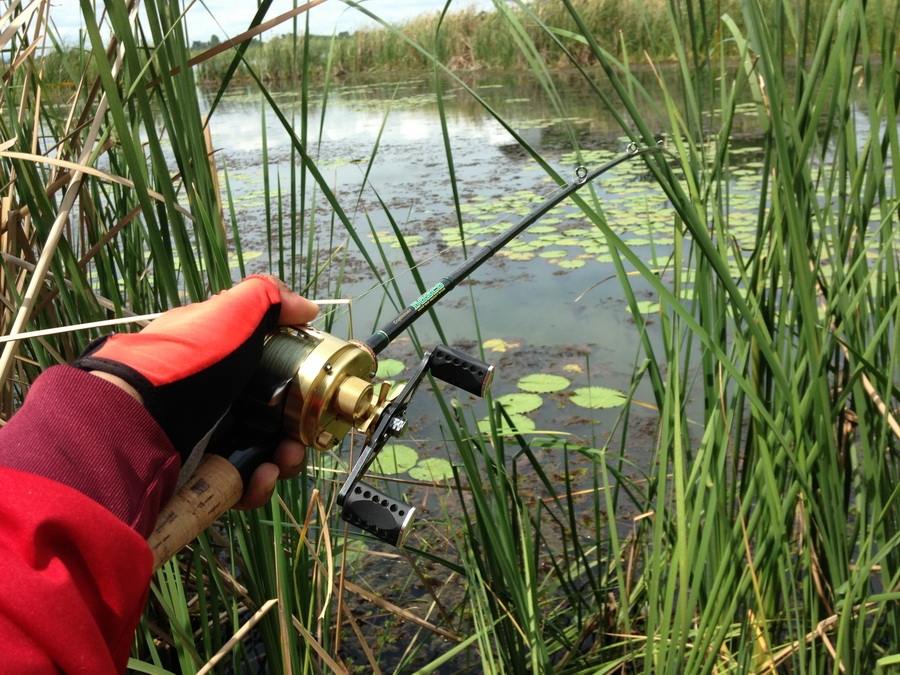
(82, 431)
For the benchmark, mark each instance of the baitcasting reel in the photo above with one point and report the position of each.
(315, 388)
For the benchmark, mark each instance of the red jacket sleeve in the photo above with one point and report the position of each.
(83, 472)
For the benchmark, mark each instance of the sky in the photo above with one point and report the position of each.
(226, 18)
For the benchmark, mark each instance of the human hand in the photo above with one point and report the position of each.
(190, 365)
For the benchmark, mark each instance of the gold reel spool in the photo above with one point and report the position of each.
(331, 389)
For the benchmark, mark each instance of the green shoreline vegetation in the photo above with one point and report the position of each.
(762, 533)
(478, 40)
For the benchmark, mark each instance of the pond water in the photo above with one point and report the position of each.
(548, 303)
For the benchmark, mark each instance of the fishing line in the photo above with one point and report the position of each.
(582, 177)
(123, 320)
(380, 339)
(390, 330)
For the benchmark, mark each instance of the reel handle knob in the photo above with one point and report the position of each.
(377, 513)
(461, 370)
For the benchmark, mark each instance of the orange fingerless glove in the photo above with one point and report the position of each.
(192, 363)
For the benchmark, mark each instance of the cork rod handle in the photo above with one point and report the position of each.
(214, 488)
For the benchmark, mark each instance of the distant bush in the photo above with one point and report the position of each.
(473, 39)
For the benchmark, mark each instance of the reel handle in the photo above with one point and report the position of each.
(461, 370)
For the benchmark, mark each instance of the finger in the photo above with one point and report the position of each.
(295, 309)
(290, 456)
(260, 487)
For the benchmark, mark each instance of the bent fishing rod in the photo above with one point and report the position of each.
(315, 388)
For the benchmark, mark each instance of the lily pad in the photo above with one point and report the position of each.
(542, 229)
(646, 307)
(432, 469)
(389, 368)
(350, 555)
(246, 255)
(598, 397)
(520, 422)
(499, 345)
(394, 459)
(571, 264)
(519, 256)
(520, 403)
(543, 383)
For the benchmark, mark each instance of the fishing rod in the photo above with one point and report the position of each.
(315, 388)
